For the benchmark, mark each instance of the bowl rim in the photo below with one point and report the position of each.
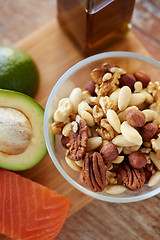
(62, 79)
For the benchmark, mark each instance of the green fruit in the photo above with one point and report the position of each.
(22, 143)
(18, 71)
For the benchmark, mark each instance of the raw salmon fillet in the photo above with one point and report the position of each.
(28, 210)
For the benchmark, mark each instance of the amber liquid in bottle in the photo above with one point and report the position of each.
(94, 28)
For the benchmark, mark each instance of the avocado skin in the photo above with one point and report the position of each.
(18, 71)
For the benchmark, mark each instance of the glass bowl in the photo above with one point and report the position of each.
(77, 76)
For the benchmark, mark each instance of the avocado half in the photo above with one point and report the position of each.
(36, 148)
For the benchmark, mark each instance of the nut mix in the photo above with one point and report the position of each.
(111, 130)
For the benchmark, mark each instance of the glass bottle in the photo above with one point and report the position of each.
(95, 24)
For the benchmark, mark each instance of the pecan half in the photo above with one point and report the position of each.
(78, 137)
(133, 178)
(94, 172)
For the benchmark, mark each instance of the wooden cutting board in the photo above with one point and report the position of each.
(54, 53)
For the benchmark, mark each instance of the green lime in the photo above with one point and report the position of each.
(18, 71)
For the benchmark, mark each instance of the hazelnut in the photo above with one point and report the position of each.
(65, 141)
(143, 77)
(148, 131)
(90, 87)
(136, 118)
(109, 152)
(137, 160)
(127, 80)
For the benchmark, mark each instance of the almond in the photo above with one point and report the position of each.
(127, 80)
(143, 77)
(136, 118)
(90, 87)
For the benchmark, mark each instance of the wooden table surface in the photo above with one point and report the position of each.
(97, 220)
